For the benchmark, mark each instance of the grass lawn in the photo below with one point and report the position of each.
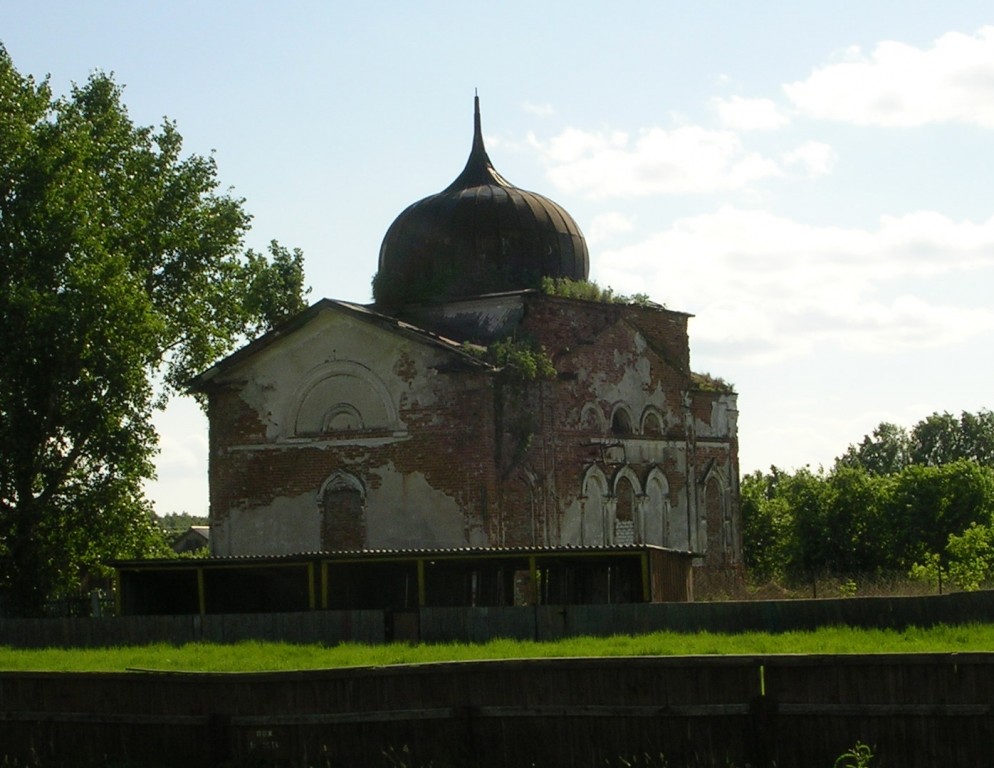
(265, 656)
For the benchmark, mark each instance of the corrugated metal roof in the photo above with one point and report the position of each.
(408, 553)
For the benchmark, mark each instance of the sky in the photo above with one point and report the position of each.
(811, 180)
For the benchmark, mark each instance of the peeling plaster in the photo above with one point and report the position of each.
(276, 383)
(403, 509)
(288, 524)
(406, 511)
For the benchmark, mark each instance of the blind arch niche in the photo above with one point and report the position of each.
(342, 397)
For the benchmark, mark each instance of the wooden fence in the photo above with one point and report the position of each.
(914, 710)
(545, 622)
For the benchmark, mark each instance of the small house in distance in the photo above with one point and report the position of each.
(193, 539)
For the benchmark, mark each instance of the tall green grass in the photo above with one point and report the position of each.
(266, 656)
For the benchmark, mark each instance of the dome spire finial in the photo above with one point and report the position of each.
(477, 123)
(479, 170)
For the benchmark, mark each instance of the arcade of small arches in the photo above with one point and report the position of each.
(616, 511)
(622, 422)
(625, 509)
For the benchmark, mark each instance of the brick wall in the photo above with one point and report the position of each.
(508, 457)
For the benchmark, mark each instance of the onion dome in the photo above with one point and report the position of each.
(479, 235)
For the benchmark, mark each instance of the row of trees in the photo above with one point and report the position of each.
(917, 501)
(122, 273)
(934, 441)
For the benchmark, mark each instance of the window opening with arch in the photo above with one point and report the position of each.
(342, 503)
(652, 423)
(594, 495)
(624, 511)
(621, 421)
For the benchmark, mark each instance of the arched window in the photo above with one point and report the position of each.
(714, 518)
(522, 503)
(652, 423)
(656, 527)
(621, 421)
(591, 419)
(592, 524)
(341, 396)
(342, 418)
(624, 512)
(342, 501)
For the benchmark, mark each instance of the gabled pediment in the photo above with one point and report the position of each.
(317, 321)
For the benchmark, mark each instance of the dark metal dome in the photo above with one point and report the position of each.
(479, 235)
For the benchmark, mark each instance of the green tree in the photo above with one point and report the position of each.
(807, 495)
(884, 452)
(936, 440)
(177, 522)
(766, 525)
(942, 438)
(856, 539)
(978, 436)
(929, 504)
(121, 265)
(971, 557)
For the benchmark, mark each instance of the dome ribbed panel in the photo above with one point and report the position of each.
(479, 235)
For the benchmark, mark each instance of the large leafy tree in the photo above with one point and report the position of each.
(934, 441)
(942, 439)
(121, 265)
(885, 452)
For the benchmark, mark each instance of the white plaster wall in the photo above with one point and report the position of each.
(405, 511)
(679, 531)
(289, 524)
(723, 420)
(571, 525)
(275, 380)
(402, 510)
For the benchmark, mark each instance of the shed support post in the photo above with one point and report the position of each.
(421, 582)
(324, 585)
(646, 585)
(533, 572)
(311, 596)
(201, 596)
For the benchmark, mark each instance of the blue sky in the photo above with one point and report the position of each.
(811, 180)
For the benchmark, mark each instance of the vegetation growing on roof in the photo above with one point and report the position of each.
(521, 360)
(705, 382)
(587, 290)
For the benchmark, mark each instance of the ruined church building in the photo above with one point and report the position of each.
(468, 409)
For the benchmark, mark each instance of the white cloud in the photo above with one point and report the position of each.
(900, 85)
(742, 114)
(766, 288)
(685, 160)
(542, 110)
(815, 157)
(606, 225)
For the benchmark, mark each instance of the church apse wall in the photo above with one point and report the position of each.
(626, 440)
